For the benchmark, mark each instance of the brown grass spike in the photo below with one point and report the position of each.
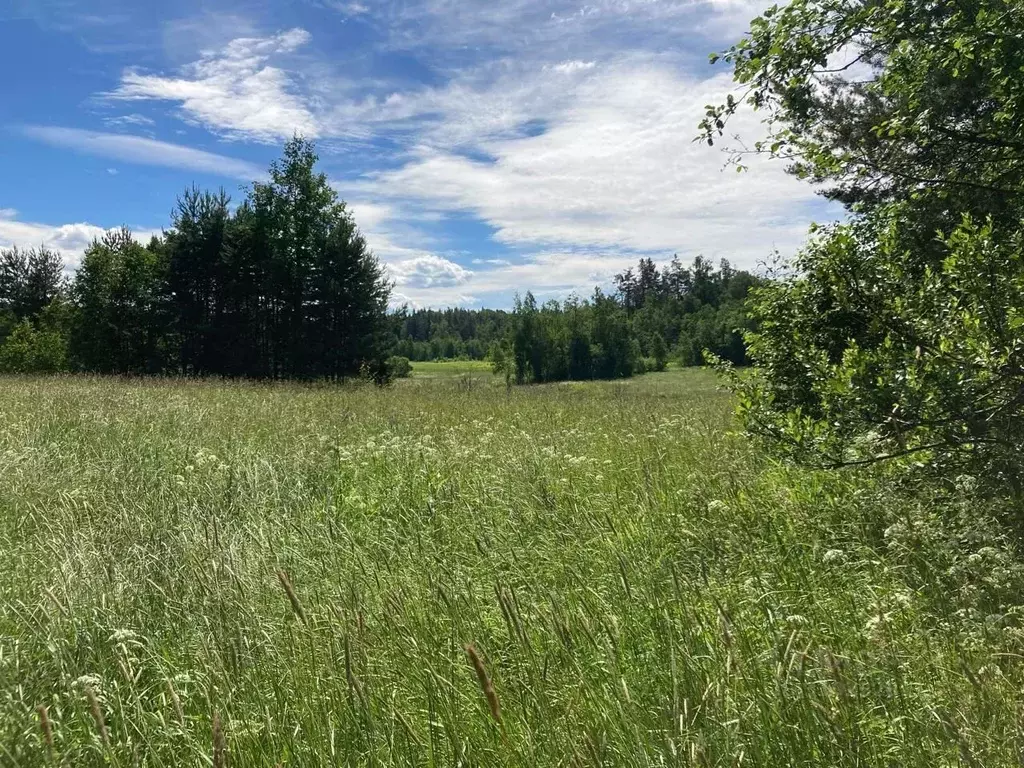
(220, 743)
(292, 597)
(485, 683)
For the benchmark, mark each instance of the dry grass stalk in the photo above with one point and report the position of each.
(220, 743)
(292, 597)
(485, 683)
(47, 726)
(97, 715)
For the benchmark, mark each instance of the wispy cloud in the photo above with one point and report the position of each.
(615, 167)
(128, 121)
(348, 8)
(573, 66)
(235, 91)
(144, 151)
(569, 28)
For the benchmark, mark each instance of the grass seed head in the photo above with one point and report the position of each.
(220, 743)
(97, 715)
(485, 683)
(176, 701)
(47, 726)
(292, 597)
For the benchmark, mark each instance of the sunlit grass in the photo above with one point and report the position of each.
(310, 564)
(434, 369)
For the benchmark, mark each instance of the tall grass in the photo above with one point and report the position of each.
(436, 575)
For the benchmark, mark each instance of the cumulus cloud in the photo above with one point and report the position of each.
(548, 274)
(428, 271)
(69, 240)
(137, 149)
(233, 91)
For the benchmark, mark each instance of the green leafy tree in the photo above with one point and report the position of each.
(17, 353)
(615, 352)
(122, 317)
(28, 350)
(890, 100)
(29, 280)
(399, 367)
(659, 352)
(899, 333)
(936, 371)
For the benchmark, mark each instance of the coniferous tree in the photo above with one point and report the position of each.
(29, 281)
(198, 282)
(324, 297)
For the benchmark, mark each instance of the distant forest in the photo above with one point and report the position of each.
(651, 317)
(285, 287)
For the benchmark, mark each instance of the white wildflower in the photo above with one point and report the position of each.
(834, 556)
(123, 636)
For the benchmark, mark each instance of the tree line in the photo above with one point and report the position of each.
(448, 334)
(672, 313)
(283, 286)
(652, 316)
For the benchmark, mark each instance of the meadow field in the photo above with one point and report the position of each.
(447, 573)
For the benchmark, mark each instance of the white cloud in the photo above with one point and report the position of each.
(133, 120)
(424, 299)
(137, 149)
(234, 91)
(569, 67)
(428, 271)
(616, 167)
(548, 274)
(350, 9)
(573, 29)
(727, 20)
(369, 216)
(69, 240)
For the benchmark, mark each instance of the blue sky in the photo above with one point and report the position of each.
(484, 147)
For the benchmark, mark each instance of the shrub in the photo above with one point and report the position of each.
(27, 350)
(399, 367)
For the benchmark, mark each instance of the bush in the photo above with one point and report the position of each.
(922, 366)
(399, 367)
(27, 350)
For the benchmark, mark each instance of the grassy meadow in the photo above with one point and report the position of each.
(446, 573)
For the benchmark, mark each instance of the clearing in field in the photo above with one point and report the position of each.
(441, 574)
